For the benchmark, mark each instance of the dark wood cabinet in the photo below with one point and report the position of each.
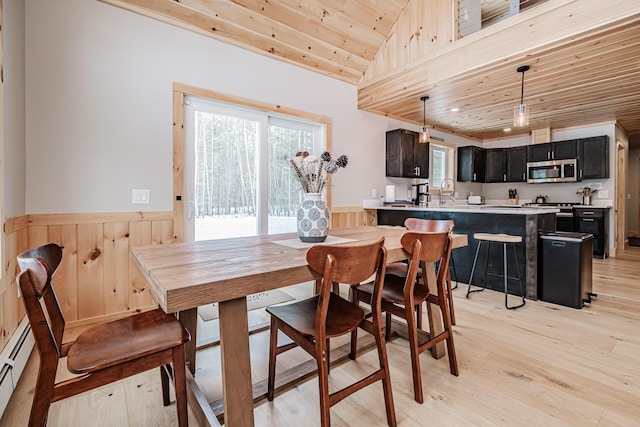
(559, 150)
(405, 156)
(496, 165)
(517, 164)
(594, 221)
(476, 164)
(539, 152)
(562, 150)
(471, 164)
(506, 164)
(593, 157)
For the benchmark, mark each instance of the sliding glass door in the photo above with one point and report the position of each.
(238, 178)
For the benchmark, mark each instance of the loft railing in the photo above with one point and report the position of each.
(478, 14)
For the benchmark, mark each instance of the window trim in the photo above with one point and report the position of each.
(180, 93)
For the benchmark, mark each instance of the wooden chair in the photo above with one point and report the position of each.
(401, 296)
(312, 322)
(102, 354)
(400, 268)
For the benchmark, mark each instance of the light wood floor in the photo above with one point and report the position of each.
(541, 365)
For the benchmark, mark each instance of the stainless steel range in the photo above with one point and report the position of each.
(564, 218)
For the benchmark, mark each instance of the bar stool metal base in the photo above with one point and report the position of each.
(503, 239)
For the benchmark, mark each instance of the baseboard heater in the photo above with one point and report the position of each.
(13, 359)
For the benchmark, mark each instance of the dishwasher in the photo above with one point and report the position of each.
(565, 268)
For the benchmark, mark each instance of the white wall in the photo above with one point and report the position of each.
(99, 106)
(14, 115)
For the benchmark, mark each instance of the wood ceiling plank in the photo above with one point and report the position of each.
(379, 15)
(322, 22)
(259, 28)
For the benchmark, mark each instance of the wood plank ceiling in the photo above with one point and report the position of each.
(590, 78)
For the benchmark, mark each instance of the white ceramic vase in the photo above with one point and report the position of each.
(313, 219)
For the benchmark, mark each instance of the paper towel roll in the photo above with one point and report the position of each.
(390, 193)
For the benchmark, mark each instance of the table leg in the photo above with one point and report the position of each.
(236, 363)
(189, 319)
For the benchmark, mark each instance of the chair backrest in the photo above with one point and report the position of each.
(429, 225)
(427, 248)
(37, 269)
(347, 264)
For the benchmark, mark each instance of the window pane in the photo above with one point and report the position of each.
(225, 176)
(285, 194)
(439, 166)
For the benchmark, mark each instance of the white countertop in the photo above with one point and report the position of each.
(494, 209)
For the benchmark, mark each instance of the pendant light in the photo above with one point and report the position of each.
(521, 112)
(424, 135)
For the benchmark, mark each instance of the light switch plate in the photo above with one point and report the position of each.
(139, 196)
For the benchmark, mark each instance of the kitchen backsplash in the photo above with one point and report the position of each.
(559, 192)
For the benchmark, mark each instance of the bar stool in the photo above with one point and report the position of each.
(504, 239)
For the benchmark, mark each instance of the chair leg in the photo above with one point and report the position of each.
(164, 379)
(323, 383)
(387, 328)
(452, 266)
(451, 349)
(415, 354)
(354, 344)
(42, 395)
(354, 298)
(473, 269)
(273, 344)
(386, 381)
(328, 350)
(180, 384)
(450, 298)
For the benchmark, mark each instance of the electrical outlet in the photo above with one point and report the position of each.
(604, 194)
(139, 196)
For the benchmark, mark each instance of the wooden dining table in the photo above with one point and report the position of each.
(185, 276)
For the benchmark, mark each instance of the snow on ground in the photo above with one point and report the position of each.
(222, 227)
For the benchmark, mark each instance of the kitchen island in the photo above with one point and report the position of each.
(527, 222)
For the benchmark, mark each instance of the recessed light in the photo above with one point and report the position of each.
(455, 109)
(507, 129)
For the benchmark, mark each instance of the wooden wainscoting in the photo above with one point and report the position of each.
(96, 279)
(11, 309)
(351, 216)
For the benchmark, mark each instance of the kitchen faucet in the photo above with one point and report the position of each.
(451, 194)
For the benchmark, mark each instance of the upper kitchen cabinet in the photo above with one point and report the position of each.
(406, 157)
(471, 164)
(517, 164)
(496, 165)
(593, 157)
(506, 164)
(559, 150)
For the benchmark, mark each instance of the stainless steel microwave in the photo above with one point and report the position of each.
(552, 171)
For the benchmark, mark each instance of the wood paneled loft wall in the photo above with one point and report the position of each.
(423, 27)
(96, 280)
